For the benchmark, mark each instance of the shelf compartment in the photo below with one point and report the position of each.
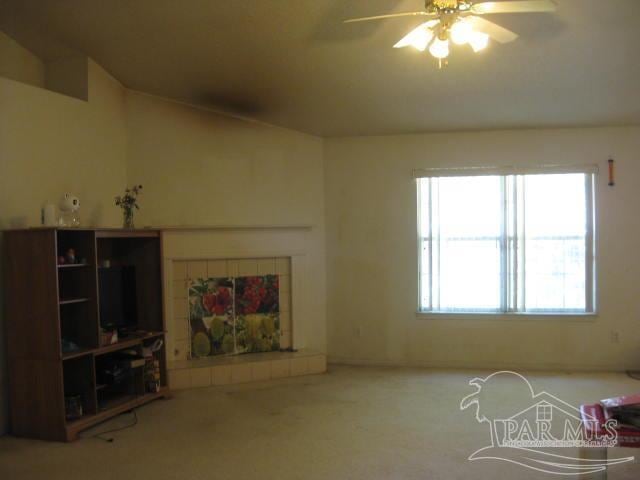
(83, 242)
(75, 282)
(128, 385)
(78, 324)
(140, 253)
(79, 379)
(160, 356)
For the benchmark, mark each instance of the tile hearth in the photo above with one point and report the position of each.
(254, 367)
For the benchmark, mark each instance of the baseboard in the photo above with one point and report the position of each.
(479, 366)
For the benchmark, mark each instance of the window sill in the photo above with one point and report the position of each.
(511, 316)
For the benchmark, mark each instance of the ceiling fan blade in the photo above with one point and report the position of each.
(391, 15)
(419, 37)
(498, 33)
(524, 6)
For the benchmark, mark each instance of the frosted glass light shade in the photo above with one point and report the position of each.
(439, 48)
(461, 32)
(479, 41)
(418, 38)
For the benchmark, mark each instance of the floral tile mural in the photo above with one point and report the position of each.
(234, 315)
(211, 317)
(257, 314)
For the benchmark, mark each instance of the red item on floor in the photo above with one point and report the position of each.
(624, 409)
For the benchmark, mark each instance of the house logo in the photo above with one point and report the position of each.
(538, 431)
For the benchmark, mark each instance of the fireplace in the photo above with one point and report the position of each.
(215, 335)
(203, 328)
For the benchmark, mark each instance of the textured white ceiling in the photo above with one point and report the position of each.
(294, 63)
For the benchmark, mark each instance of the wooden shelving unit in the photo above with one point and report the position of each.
(53, 327)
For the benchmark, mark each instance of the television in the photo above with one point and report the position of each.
(117, 294)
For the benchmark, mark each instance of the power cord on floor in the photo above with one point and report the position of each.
(100, 435)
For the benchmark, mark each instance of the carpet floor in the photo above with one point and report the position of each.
(352, 423)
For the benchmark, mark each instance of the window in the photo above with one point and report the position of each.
(521, 243)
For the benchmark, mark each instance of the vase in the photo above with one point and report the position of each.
(127, 218)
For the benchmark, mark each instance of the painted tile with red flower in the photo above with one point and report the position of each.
(211, 317)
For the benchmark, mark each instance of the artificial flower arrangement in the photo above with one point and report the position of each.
(128, 202)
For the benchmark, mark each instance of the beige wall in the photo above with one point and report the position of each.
(372, 254)
(18, 63)
(201, 168)
(69, 76)
(50, 144)
(66, 75)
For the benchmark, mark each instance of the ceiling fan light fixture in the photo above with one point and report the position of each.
(461, 22)
(461, 32)
(478, 41)
(439, 48)
(418, 38)
(422, 39)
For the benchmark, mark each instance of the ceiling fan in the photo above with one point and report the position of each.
(457, 21)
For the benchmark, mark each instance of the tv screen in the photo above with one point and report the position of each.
(117, 290)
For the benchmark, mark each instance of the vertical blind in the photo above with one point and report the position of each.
(507, 243)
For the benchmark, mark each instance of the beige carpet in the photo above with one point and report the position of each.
(353, 423)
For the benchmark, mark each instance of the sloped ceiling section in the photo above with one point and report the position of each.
(295, 64)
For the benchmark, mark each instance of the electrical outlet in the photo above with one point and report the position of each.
(615, 336)
(358, 332)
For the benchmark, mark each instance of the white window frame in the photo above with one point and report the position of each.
(512, 293)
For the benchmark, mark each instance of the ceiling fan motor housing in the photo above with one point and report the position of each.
(447, 6)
